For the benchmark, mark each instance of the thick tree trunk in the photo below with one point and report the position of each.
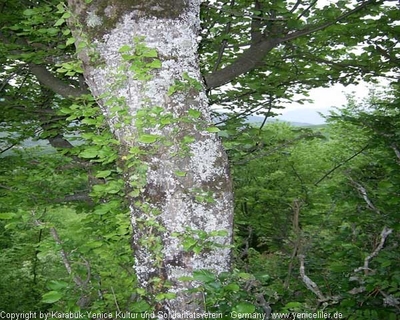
(140, 62)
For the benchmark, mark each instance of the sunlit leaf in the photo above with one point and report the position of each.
(51, 297)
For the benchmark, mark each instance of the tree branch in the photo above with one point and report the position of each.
(46, 78)
(64, 256)
(224, 42)
(252, 57)
(43, 75)
(314, 28)
(340, 164)
(364, 194)
(76, 197)
(306, 9)
(311, 285)
(384, 234)
(396, 151)
(249, 60)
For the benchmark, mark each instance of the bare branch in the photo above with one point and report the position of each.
(64, 256)
(89, 273)
(5, 187)
(311, 285)
(296, 5)
(297, 243)
(384, 234)
(76, 197)
(8, 148)
(269, 108)
(390, 300)
(340, 164)
(306, 9)
(264, 305)
(396, 151)
(364, 194)
(115, 299)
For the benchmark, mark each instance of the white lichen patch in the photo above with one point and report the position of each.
(110, 11)
(204, 155)
(93, 20)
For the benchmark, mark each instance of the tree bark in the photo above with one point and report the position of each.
(175, 169)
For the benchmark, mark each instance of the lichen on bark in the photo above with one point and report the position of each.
(101, 16)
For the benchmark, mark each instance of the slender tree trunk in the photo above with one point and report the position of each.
(140, 62)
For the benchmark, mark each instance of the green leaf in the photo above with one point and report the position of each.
(232, 287)
(185, 278)
(244, 307)
(223, 134)
(194, 113)
(66, 15)
(203, 276)
(169, 295)
(197, 249)
(103, 174)
(171, 90)
(70, 41)
(124, 48)
(29, 12)
(51, 297)
(7, 215)
(135, 193)
(59, 22)
(293, 305)
(140, 306)
(386, 263)
(155, 64)
(263, 276)
(57, 285)
(202, 234)
(148, 138)
(150, 53)
(160, 296)
(180, 173)
(188, 139)
(128, 57)
(52, 31)
(89, 153)
(141, 291)
(213, 129)
(218, 233)
(82, 45)
(189, 243)
(93, 244)
(60, 8)
(245, 276)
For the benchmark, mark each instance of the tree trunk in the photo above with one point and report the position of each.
(140, 62)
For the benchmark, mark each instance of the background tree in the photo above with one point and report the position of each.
(326, 204)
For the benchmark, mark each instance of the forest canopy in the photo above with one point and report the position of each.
(82, 193)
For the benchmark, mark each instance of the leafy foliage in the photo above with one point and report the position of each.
(331, 200)
(327, 196)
